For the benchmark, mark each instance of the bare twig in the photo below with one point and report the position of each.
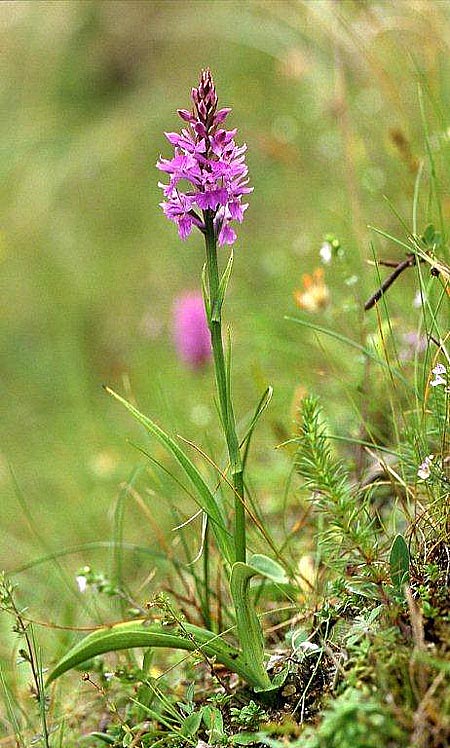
(408, 262)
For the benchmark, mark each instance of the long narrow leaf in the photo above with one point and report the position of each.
(248, 625)
(140, 633)
(223, 285)
(399, 563)
(205, 294)
(260, 408)
(206, 498)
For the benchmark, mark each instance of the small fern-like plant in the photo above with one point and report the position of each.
(347, 530)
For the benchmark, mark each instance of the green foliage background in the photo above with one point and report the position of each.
(90, 268)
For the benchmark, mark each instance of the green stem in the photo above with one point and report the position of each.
(205, 601)
(225, 403)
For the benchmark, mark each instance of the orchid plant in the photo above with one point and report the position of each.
(208, 183)
(207, 158)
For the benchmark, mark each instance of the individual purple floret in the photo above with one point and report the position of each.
(208, 171)
(191, 333)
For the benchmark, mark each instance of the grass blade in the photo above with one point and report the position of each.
(353, 344)
(205, 498)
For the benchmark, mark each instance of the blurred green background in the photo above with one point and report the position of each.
(325, 94)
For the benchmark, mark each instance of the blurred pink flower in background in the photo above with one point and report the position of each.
(413, 344)
(190, 330)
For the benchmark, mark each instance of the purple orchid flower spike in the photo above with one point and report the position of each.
(208, 170)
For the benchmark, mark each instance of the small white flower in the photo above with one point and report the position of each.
(437, 381)
(424, 470)
(326, 253)
(81, 582)
(438, 371)
(309, 647)
(419, 300)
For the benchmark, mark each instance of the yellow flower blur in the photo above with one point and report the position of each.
(315, 294)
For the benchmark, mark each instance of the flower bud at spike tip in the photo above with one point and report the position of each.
(205, 99)
(208, 170)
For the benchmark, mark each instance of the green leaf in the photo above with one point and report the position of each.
(213, 720)
(246, 738)
(249, 628)
(260, 408)
(205, 498)
(399, 563)
(223, 285)
(248, 625)
(268, 568)
(205, 294)
(140, 633)
(104, 737)
(429, 234)
(147, 662)
(191, 723)
(274, 591)
(365, 589)
(280, 678)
